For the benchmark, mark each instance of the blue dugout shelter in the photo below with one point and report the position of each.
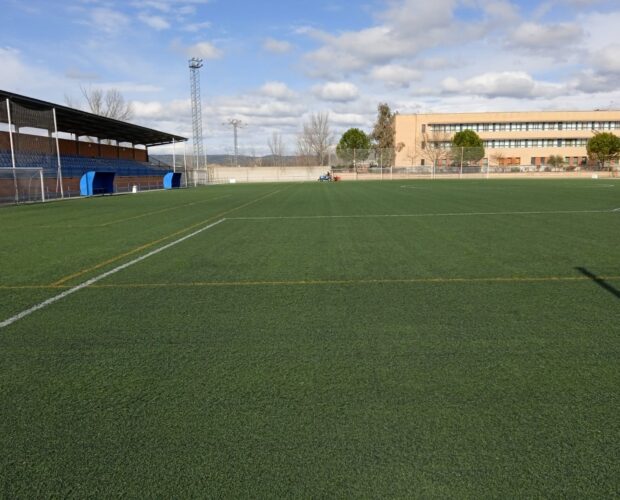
(172, 180)
(94, 182)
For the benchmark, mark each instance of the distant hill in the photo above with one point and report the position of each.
(242, 160)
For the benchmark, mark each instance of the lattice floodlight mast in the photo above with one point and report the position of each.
(236, 125)
(194, 72)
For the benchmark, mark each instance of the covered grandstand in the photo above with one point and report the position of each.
(45, 149)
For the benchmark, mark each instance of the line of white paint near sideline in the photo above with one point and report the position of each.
(454, 214)
(89, 282)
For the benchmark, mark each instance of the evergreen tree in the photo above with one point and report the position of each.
(467, 146)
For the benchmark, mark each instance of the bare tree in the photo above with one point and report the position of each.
(499, 158)
(317, 136)
(72, 102)
(431, 147)
(110, 103)
(257, 161)
(556, 161)
(304, 149)
(276, 146)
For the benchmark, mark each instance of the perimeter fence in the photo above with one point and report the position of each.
(371, 164)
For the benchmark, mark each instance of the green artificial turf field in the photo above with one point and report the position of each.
(453, 339)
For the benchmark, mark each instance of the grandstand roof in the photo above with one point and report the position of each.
(83, 123)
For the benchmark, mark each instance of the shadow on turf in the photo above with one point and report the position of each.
(599, 281)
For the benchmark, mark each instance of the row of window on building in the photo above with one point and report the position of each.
(569, 161)
(521, 143)
(538, 161)
(521, 126)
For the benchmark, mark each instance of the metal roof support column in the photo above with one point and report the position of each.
(174, 158)
(185, 160)
(59, 173)
(8, 109)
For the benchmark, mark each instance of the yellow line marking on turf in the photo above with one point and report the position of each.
(155, 242)
(352, 282)
(507, 279)
(92, 281)
(387, 216)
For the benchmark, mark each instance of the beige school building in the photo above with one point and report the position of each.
(510, 138)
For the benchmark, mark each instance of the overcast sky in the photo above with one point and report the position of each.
(271, 63)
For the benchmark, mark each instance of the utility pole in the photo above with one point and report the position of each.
(236, 124)
(194, 77)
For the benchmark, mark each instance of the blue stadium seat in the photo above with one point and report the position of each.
(76, 166)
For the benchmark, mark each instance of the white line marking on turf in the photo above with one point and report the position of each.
(91, 281)
(452, 214)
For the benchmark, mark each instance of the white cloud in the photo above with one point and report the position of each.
(501, 10)
(406, 28)
(77, 74)
(601, 28)
(183, 6)
(194, 27)
(133, 87)
(516, 84)
(413, 16)
(277, 46)
(607, 59)
(580, 3)
(203, 50)
(108, 20)
(337, 91)
(436, 63)
(17, 76)
(542, 37)
(592, 82)
(155, 22)
(601, 49)
(162, 111)
(277, 90)
(246, 107)
(348, 119)
(396, 75)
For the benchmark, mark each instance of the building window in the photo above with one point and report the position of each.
(423, 128)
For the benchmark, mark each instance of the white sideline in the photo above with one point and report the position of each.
(453, 214)
(89, 282)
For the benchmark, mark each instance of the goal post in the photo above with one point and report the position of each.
(30, 163)
(24, 185)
